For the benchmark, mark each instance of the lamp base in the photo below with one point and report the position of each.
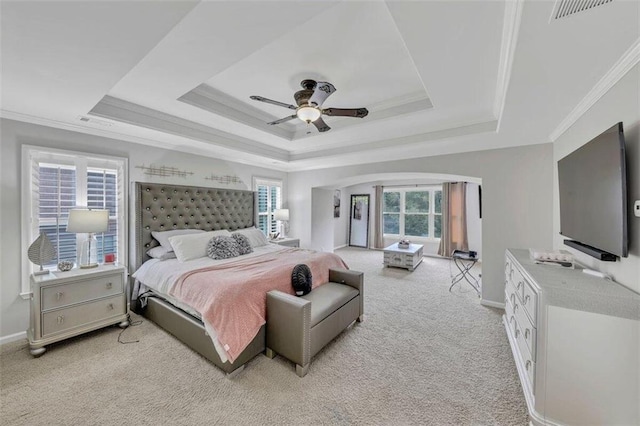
(89, 266)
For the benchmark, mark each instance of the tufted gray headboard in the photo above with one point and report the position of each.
(162, 207)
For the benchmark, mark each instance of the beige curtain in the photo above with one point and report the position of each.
(454, 218)
(378, 241)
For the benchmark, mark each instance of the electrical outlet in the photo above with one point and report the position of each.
(636, 208)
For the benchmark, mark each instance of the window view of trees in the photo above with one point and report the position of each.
(416, 213)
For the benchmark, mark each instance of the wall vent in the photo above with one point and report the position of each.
(564, 8)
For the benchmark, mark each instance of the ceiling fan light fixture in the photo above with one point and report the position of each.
(308, 113)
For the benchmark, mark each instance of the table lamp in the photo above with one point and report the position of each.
(89, 222)
(282, 215)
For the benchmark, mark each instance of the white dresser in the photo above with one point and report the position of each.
(65, 304)
(576, 343)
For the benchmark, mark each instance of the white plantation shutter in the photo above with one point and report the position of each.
(56, 196)
(269, 199)
(62, 180)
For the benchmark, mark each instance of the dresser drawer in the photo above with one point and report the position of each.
(528, 331)
(530, 301)
(80, 291)
(525, 354)
(82, 315)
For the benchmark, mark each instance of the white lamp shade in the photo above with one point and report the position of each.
(88, 221)
(281, 214)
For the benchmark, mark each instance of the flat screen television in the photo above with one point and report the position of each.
(593, 196)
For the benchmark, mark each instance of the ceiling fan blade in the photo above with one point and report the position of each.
(322, 91)
(346, 112)
(321, 125)
(282, 120)
(272, 102)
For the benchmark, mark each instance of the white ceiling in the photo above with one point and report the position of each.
(437, 77)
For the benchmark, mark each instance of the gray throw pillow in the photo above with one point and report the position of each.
(243, 243)
(223, 248)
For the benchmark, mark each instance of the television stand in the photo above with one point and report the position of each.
(591, 251)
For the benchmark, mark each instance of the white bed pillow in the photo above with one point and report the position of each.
(255, 236)
(194, 246)
(161, 253)
(163, 236)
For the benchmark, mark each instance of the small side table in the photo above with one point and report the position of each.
(288, 242)
(65, 304)
(464, 262)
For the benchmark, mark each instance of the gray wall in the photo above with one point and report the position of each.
(14, 311)
(516, 191)
(621, 103)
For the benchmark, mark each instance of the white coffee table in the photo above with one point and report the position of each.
(408, 258)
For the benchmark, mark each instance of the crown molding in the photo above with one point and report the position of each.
(510, 31)
(452, 132)
(622, 66)
(138, 115)
(212, 100)
(178, 146)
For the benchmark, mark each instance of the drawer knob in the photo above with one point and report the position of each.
(109, 285)
(526, 333)
(513, 299)
(512, 318)
(526, 299)
(527, 364)
(519, 285)
(517, 333)
(60, 319)
(110, 306)
(59, 295)
(515, 308)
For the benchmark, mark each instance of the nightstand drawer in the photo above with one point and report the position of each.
(82, 315)
(80, 291)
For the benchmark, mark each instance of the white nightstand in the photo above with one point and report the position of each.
(289, 242)
(65, 304)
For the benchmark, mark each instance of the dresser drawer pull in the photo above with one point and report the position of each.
(513, 299)
(526, 299)
(110, 306)
(60, 319)
(526, 333)
(519, 285)
(59, 295)
(527, 365)
(109, 285)
(512, 318)
(515, 308)
(517, 333)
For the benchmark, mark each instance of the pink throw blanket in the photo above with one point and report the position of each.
(232, 297)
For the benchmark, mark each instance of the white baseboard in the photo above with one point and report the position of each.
(491, 304)
(13, 337)
(341, 246)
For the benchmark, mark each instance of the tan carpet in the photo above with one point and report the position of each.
(423, 356)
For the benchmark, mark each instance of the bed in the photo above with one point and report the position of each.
(161, 207)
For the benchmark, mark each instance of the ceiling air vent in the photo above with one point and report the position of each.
(564, 8)
(95, 121)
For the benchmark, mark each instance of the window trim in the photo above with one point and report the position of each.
(66, 157)
(431, 214)
(267, 181)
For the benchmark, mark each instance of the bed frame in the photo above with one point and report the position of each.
(163, 207)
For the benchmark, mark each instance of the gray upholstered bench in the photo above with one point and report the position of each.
(298, 327)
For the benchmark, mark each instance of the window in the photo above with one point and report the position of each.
(413, 212)
(60, 181)
(269, 199)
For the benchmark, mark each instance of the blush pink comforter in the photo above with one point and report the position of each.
(232, 297)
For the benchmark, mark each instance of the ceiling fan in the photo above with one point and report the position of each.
(310, 100)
